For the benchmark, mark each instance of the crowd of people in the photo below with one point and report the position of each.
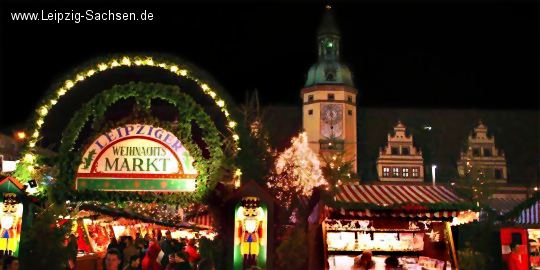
(160, 253)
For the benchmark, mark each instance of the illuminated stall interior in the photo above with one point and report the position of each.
(410, 222)
(534, 247)
(98, 223)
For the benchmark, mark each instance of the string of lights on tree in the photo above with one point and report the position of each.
(478, 181)
(338, 171)
(297, 171)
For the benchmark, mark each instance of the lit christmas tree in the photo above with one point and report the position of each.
(297, 172)
(473, 184)
(337, 170)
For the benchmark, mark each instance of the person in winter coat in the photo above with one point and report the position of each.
(150, 259)
(191, 250)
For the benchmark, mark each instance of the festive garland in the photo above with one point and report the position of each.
(143, 93)
(174, 65)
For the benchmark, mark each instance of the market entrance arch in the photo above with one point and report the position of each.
(120, 170)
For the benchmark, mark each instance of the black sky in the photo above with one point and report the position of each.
(446, 55)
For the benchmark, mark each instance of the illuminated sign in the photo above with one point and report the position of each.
(137, 157)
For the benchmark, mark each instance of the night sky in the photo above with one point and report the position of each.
(442, 55)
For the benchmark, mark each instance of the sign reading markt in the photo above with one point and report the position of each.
(137, 157)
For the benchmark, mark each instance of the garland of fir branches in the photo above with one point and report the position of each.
(194, 74)
(143, 93)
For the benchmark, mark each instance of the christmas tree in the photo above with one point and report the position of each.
(337, 170)
(297, 172)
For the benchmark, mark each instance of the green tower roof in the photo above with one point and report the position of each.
(329, 69)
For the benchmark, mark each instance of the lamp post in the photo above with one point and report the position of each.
(433, 168)
(427, 150)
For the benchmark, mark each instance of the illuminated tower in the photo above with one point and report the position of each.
(329, 97)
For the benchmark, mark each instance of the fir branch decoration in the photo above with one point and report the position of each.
(94, 111)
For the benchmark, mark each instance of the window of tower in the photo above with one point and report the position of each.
(310, 98)
(330, 76)
(310, 112)
(349, 112)
(349, 99)
(394, 150)
(331, 97)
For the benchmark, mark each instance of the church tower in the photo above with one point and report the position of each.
(329, 97)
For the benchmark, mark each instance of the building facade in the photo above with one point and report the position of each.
(482, 155)
(400, 160)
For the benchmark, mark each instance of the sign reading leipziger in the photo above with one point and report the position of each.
(137, 157)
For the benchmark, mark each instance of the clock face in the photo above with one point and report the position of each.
(331, 120)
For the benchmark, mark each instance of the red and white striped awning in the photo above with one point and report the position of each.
(203, 220)
(341, 212)
(530, 215)
(410, 201)
(385, 195)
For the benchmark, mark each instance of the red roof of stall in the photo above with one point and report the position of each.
(396, 200)
(391, 194)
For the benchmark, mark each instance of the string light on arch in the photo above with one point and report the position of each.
(124, 61)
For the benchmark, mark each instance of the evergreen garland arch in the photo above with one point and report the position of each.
(26, 169)
(94, 112)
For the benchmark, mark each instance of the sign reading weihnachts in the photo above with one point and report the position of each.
(137, 157)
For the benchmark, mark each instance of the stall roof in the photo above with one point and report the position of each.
(530, 215)
(10, 184)
(518, 211)
(395, 194)
(504, 205)
(396, 200)
(116, 213)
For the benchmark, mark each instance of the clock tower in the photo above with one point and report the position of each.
(329, 97)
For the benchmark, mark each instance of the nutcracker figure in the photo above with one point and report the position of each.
(250, 230)
(9, 217)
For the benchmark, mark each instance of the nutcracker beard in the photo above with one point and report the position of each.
(250, 230)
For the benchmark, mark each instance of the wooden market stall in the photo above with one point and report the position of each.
(411, 222)
(96, 224)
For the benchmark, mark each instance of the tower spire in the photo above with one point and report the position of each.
(328, 36)
(329, 69)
